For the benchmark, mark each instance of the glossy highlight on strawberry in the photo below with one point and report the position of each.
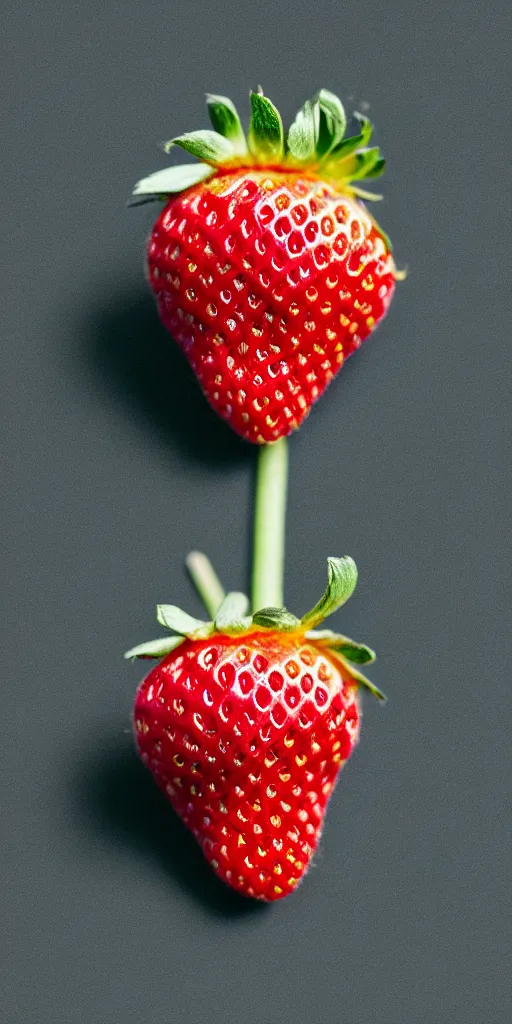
(267, 267)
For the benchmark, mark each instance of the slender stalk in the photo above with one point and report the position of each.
(206, 581)
(269, 525)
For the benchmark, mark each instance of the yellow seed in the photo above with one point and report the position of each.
(275, 820)
(277, 890)
(300, 759)
(241, 841)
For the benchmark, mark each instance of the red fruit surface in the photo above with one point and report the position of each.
(268, 280)
(246, 737)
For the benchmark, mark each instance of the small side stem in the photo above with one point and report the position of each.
(269, 525)
(206, 581)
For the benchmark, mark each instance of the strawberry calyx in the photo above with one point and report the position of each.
(233, 619)
(314, 144)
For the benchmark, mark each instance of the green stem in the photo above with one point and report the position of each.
(206, 581)
(269, 525)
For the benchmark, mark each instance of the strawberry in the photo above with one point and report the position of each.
(267, 268)
(245, 724)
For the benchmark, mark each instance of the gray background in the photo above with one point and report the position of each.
(115, 468)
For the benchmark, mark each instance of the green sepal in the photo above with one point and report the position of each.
(332, 122)
(211, 147)
(266, 136)
(378, 168)
(359, 677)
(360, 141)
(181, 622)
(226, 122)
(358, 165)
(276, 618)
(155, 648)
(232, 614)
(342, 579)
(358, 654)
(303, 132)
(172, 179)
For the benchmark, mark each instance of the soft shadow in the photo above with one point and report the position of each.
(135, 359)
(118, 800)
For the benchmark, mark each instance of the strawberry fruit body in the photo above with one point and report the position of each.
(246, 738)
(245, 725)
(267, 268)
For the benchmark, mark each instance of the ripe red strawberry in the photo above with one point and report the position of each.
(268, 269)
(245, 724)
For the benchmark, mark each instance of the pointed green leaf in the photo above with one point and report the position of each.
(276, 618)
(359, 654)
(377, 169)
(359, 141)
(266, 137)
(303, 132)
(332, 122)
(206, 145)
(225, 120)
(359, 677)
(181, 622)
(172, 179)
(342, 576)
(232, 614)
(358, 165)
(155, 648)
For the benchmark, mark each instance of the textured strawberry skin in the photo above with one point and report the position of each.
(246, 738)
(268, 281)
